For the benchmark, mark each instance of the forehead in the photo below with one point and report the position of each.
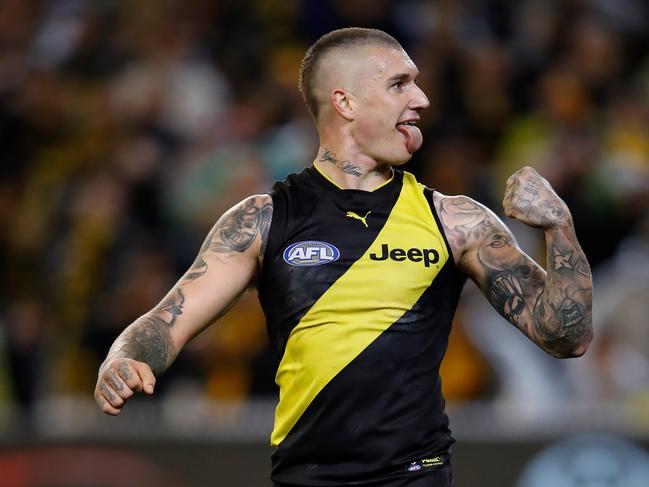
(382, 62)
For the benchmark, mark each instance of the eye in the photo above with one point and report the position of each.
(498, 241)
(398, 85)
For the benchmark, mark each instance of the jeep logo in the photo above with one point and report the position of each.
(429, 256)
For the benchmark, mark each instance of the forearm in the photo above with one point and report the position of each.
(149, 338)
(563, 310)
(146, 340)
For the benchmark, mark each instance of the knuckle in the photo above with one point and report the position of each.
(126, 393)
(133, 382)
(114, 364)
(116, 401)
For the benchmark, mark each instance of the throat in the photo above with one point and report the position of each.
(348, 174)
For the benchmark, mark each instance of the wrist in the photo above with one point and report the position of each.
(563, 227)
(559, 218)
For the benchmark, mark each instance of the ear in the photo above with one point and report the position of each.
(342, 101)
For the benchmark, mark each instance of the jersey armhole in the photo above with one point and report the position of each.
(429, 194)
(278, 220)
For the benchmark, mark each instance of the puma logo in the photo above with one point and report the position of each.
(351, 214)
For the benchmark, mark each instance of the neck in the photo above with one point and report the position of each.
(349, 170)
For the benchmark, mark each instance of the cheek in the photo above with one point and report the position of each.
(376, 117)
(372, 127)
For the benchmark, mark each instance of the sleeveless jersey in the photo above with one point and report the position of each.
(359, 290)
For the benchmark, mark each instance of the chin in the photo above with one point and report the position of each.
(400, 160)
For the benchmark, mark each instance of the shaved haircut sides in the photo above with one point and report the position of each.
(337, 39)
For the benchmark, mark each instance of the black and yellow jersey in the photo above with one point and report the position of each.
(359, 289)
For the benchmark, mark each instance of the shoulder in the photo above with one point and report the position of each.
(467, 223)
(244, 226)
(252, 206)
(462, 211)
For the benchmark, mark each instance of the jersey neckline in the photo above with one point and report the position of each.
(330, 185)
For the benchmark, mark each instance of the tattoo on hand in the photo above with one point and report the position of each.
(117, 384)
(106, 392)
(124, 371)
(541, 206)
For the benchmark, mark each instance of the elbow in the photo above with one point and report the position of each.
(576, 352)
(572, 349)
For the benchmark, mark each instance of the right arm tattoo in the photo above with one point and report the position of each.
(148, 339)
(235, 231)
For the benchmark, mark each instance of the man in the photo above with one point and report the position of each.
(359, 269)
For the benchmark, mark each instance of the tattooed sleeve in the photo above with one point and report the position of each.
(552, 308)
(150, 338)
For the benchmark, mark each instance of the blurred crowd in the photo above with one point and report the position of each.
(128, 126)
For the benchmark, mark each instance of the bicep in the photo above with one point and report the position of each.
(487, 253)
(225, 266)
(511, 281)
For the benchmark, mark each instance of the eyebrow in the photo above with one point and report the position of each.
(401, 77)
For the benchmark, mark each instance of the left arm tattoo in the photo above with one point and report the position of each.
(554, 308)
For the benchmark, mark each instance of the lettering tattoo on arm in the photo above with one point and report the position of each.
(148, 339)
(235, 231)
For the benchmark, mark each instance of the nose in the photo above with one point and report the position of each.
(419, 99)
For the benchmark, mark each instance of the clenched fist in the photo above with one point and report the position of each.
(530, 199)
(118, 379)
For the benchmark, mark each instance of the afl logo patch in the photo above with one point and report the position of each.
(310, 252)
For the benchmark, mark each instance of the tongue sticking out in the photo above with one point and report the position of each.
(413, 137)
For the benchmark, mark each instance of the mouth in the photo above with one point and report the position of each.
(412, 123)
(413, 138)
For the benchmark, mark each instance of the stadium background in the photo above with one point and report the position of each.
(128, 127)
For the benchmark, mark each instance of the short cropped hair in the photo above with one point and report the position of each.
(351, 36)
